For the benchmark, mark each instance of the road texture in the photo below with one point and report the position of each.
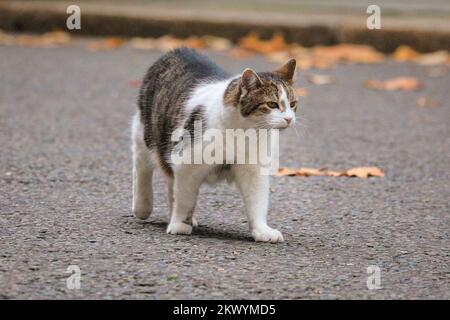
(65, 190)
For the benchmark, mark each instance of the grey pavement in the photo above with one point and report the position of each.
(65, 190)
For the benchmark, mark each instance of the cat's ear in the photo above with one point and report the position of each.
(287, 71)
(250, 80)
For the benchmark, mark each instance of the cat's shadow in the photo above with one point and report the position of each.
(202, 231)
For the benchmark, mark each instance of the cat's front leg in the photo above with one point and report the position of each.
(187, 182)
(254, 188)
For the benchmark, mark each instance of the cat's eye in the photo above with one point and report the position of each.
(272, 105)
(294, 106)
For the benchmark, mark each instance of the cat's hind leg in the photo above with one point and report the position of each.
(186, 186)
(142, 172)
(170, 183)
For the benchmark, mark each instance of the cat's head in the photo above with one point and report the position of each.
(267, 99)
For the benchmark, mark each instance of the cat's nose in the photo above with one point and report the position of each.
(288, 120)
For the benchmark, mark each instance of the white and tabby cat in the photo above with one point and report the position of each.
(182, 87)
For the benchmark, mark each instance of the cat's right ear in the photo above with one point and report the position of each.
(250, 80)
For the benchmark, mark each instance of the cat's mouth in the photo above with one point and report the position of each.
(283, 126)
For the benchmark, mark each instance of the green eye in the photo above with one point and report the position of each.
(294, 105)
(272, 105)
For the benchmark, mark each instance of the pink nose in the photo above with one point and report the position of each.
(288, 120)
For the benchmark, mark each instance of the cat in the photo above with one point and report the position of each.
(182, 87)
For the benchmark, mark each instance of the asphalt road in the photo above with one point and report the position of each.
(65, 191)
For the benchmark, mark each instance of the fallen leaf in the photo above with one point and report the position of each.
(194, 43)
(364, 172)
(405, 53)
(252, 42)
(46, 40)
(432, 59)
(301, 92)
(361, 172)
(285, 172)
(350, 53)
(217, 43)
(332, 173)
(167, 43)
(106, 44)
(320, 79)
(143, 43)
(400, 83)
(306, 172)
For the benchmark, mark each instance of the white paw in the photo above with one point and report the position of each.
(194, 222)
(267, 234)
(179, 228)
(142, 209)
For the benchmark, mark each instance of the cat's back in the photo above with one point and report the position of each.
(179, 70)
(166, 88)
(172, 77)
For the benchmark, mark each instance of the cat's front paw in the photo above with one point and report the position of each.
(267, 234)
(179, 228)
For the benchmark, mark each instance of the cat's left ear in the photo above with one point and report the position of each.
(287, 71)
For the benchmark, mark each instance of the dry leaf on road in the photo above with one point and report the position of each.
(400, 83)
(320, 79)
(434, 58)
(46, 40)
(360, 172)
(285, 172)
(364, 172)
(351, 53)
(405, 53)
(106, 44)
(301, 92)
(252, 42)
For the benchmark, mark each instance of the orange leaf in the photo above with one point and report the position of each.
(320, 79)
(348, 53)
(301, 92)
(364, 172)
(335, 173)
(306, 172)
(252, 42)
(405, 53)
(361, 172)
(400, 83)
(194, 42)
(106, 44)
(285, 172)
